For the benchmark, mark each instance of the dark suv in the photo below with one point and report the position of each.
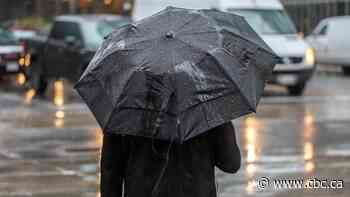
(69, 47)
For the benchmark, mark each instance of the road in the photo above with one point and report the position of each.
(51, 147)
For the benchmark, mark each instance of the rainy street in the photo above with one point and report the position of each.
(50, 147)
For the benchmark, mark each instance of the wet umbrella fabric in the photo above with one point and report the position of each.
(176, 74)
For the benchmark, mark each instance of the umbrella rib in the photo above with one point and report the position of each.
(228, 29)
(248, 40)
(209, 100)
(118, 50)
(229, 77)
(197, 33)
(222, 69)
(114, 104)
(192, 46)
(252, 32)
(146, 109)
(104, 89)
(188, 22)
(101, 59)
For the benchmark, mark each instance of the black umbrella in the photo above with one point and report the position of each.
(176, 74)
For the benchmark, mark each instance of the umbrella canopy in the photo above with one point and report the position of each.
(176, 74)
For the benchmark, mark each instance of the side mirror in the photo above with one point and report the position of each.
(71, 41)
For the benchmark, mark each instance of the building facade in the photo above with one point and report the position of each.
(15, 9)
(307, 13)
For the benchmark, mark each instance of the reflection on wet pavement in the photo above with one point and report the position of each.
(28, 96)
(59, 119)
(20, 79)
(58, 93)
(52, 148)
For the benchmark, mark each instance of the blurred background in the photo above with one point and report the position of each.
(50, 142)
(305, 13)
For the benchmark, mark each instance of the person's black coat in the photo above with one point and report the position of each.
(137, 164)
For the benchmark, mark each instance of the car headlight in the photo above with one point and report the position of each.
(310, 57)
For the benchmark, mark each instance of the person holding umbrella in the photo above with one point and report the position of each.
(189, 167)
(165, 90)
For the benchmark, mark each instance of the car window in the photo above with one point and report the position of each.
(106, 27)
(323, 30)
(57, 31)
(96, 31)
(63, 29)
(266, 21)
(7, 37)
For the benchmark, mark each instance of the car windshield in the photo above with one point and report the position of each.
(101, 30)
(7, 38)
(267, 21)
(106, 27)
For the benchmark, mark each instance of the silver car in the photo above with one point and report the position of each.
(331, 41)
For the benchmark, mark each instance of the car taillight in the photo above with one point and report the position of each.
(24, 46)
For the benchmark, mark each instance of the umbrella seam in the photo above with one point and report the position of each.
(104, 89)
(186, 109)
(249, 40)
(218, 121)
(187, 22)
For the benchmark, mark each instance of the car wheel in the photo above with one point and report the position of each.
(346, 70)
(296, 90)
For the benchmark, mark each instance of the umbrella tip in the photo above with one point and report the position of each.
(170, 34)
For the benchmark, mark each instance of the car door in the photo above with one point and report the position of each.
(321, 43)
(339, 42)
(54, 51)
(74, 43)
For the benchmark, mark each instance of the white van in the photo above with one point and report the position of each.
(332, 43)
(144, 8)
(269, 19)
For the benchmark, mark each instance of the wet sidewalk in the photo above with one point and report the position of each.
(51, 149)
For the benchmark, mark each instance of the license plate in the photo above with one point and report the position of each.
(12, 66)
(287, 79)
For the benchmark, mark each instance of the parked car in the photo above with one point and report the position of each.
(10, 53)
(269, 19)
(21, 34)
(331, 41)
(69, 47)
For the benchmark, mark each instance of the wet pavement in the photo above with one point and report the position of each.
(50, 148)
